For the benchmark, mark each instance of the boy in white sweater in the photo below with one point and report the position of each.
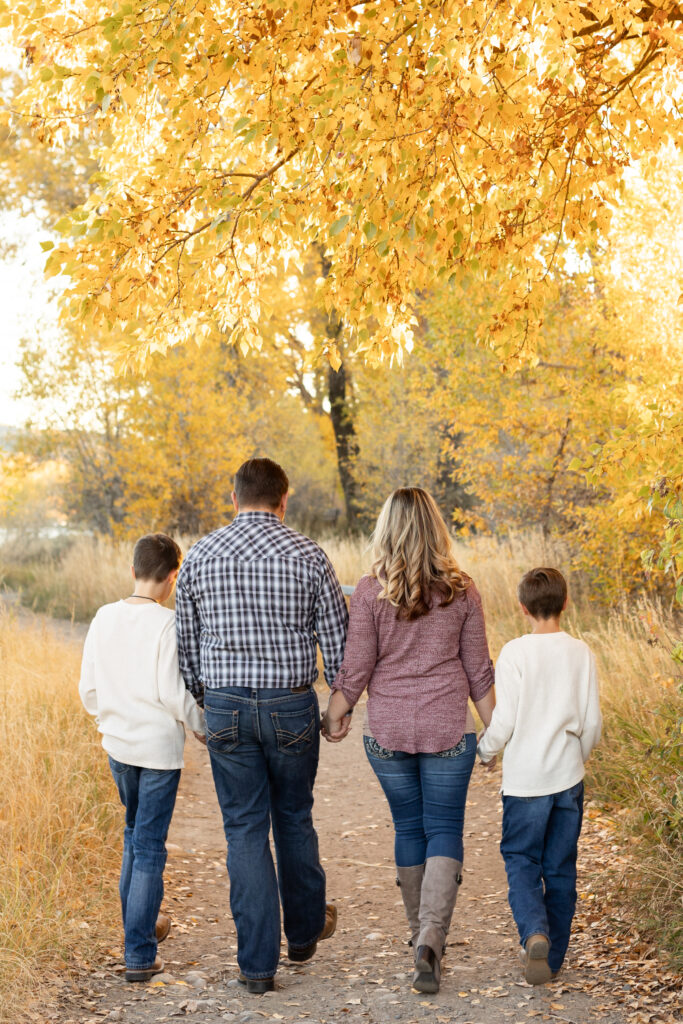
(547, 716)
(130, 681)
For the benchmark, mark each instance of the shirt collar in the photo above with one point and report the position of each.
(257, 515)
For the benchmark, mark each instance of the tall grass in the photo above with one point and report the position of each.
(58, 825)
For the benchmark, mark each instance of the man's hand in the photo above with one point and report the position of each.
(200, 736)
(335, 729)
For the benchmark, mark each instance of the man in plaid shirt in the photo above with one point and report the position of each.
(253, 600)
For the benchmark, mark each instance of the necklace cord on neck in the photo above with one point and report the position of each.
(143, 597)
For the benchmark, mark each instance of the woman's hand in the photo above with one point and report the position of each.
(335, 729)
(336, 721)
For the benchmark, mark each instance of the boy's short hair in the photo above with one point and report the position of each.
(155, 556)
(543, 592)
(260, 482)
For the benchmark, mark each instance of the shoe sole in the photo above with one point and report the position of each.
(258, 986)
(424, 981)
(133, 976)
(536, 969)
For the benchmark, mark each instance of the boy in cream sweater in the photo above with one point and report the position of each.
(130, 681)
(547, 717)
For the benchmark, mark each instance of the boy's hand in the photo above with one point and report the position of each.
(200, 736)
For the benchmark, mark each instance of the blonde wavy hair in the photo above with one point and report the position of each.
(413, 554)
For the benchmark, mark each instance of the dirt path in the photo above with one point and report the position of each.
(363, 973)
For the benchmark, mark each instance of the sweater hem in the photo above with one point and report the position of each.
(544, 790)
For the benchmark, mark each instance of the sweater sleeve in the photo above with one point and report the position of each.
(474, 648)
(86, 687)
(172, 692)
(592, 721)
(505, 712)
(360, 655)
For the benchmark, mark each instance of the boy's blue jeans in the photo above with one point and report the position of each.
(148, 795)
(264, 746)
(539, 845)
(426, 795)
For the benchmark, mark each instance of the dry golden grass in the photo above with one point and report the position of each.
(636, 772)
(59, 826)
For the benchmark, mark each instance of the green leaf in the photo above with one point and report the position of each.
(339, 225)
(241, 123)
(369, 230)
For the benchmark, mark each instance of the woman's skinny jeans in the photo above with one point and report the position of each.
(427, 795)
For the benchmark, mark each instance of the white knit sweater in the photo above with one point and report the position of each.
(130, 681)
(547, 713)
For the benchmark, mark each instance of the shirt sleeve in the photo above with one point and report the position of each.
(86, 687)
(504, 715)
(360, 656)
(331, 621)
(172, 692)
(188, 637)
(474, 648)
(592, 721)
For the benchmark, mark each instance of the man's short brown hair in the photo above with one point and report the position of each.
(260, 483)
(155, 556)
(543, 592)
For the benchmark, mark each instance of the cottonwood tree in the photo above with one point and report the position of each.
(411, 140)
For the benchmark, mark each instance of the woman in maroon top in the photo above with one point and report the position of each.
(417, 641)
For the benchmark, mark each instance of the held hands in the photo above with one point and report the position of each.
(335, 729)
(488, 765)
(200, 736)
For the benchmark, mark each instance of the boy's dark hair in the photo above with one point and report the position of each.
(543, 593)
(261, 483)
(154, 556)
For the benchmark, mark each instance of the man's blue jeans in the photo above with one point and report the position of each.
(264, 746)
(148, 795)
(540, 837)
(426, 794)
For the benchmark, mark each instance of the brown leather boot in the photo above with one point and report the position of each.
(163, 927)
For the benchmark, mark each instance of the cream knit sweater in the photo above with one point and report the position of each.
(547, 714)
(130, 681)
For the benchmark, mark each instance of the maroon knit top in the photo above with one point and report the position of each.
(419, 674)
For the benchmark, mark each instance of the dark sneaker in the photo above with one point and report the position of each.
(145, 973)
(300, 956)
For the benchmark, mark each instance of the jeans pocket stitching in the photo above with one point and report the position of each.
(459, 748)
(287, 740)
(374, 749)
(228, 738)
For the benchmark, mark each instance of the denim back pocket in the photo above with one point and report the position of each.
(373, 749)
(222, 730)
(455, 751)
(294, 730)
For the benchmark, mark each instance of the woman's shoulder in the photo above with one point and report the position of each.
(368, 584)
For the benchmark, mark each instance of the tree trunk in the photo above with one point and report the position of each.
(341, 414)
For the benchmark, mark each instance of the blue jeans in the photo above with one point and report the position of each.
(148, 795)
(264, 746)
(540, 837)
(426, 794)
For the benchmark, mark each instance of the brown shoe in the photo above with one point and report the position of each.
(145, 973)
(535, 960)
(163, 927)
(300, 956)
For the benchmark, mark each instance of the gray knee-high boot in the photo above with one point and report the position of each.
(409, 881)
(440, 885)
